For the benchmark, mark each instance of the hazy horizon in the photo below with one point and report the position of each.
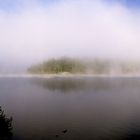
(34, 31)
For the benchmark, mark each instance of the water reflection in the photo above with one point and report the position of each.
(42, 111)
(64, 84)
(5, 126)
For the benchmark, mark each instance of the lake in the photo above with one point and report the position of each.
(72, 108)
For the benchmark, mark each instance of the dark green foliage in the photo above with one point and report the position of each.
(93, 66)
(5, 126)
(59, 66)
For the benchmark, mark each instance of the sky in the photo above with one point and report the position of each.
(32, 31)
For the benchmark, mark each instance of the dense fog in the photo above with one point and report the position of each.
(34, 31)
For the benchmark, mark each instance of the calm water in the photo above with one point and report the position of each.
(87, 108)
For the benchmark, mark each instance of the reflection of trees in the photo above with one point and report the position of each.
(68, 84)
(64, 84)
(5, 126)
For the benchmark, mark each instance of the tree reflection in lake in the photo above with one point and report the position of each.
(73, 108)
(5, 126)
(67, 84)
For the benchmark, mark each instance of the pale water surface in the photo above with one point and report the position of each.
(88, 108)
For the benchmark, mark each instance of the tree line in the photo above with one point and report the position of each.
(94, 66)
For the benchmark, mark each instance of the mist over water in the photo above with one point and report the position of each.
(32, 32)
(95, 97)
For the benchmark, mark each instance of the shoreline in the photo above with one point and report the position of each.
(69, 75)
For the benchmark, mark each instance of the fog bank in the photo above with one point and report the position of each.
(35, 32)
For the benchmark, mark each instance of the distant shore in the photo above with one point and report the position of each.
(65, 66)
(67, 75)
